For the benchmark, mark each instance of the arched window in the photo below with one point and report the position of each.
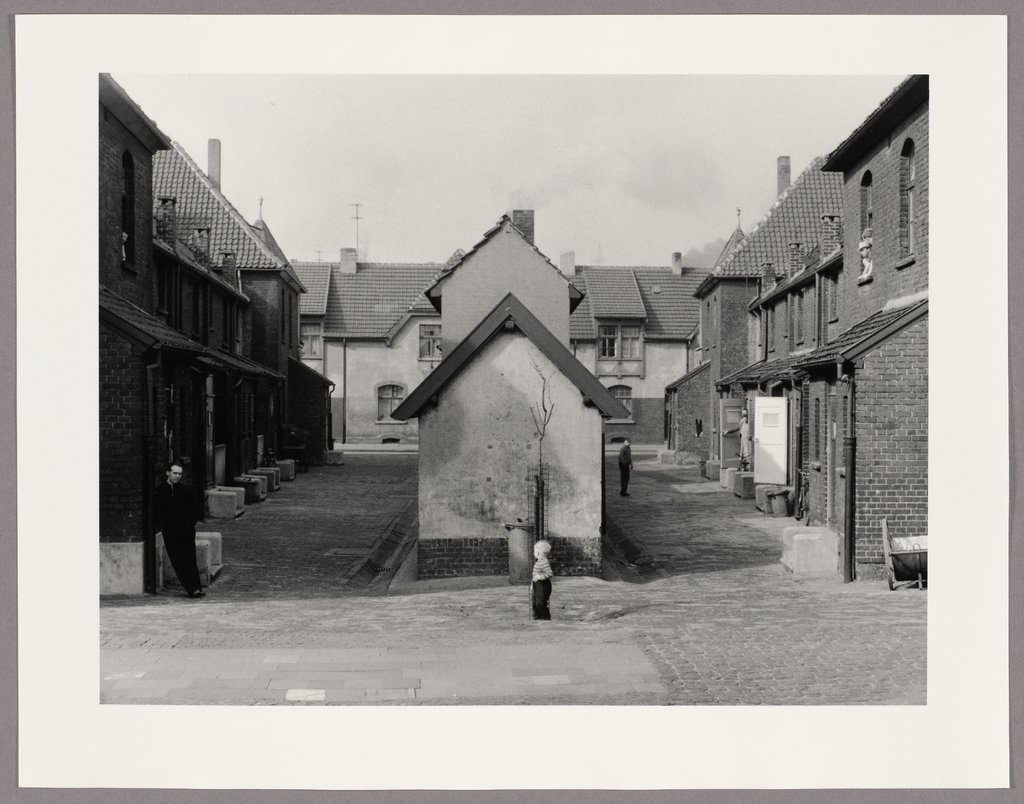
(127, 208)
(866, 202)
(908, 182)
(624, 394)
(389, 397)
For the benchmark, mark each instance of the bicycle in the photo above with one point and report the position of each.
(803, 510)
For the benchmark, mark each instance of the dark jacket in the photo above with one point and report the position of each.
(626, 457)
(175, 507)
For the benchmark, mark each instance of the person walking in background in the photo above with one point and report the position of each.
(625, 464)
(176, 516)
(541, 586)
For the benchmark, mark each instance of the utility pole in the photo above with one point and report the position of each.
(356, 218)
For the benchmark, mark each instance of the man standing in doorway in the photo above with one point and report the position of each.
(176, 515)
(625, 464)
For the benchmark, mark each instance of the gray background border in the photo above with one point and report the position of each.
(8, 496)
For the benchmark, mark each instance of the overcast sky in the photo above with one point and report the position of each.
(620, 169)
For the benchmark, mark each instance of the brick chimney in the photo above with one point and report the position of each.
(522, 219)
(567, 263)
(831, 234)
(796, 259)
(677, 263)
(165, 219)
(768, 272)
(213, 162)
(783, 171)
(348, 260)
(227, 261)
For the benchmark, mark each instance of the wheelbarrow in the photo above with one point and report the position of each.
(906, 559)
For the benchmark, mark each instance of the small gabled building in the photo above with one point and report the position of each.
(632, 330)
(508, 407)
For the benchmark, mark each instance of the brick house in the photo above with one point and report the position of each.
(731, 338)
(632, 330)
(865, 390)
(505, 321)
(173, 381)
(296, 402)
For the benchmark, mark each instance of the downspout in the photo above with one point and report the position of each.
(148, 532)
(344, 390)
(850, 504)
(330, 417)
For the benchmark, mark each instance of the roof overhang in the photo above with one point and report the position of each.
(907, 97)
(510, 313)
(128, 112)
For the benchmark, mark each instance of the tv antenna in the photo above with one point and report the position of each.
(356, 218)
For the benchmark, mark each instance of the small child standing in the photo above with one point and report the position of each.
(541, 585)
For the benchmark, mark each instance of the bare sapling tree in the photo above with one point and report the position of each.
(541, 412)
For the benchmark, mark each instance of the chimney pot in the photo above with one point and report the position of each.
(227, 261)
(567, 263)
(200, 244)
(522, 219)
(213, 162)
(348, 260)
(769, 275)
(783, 171)
(677, 263)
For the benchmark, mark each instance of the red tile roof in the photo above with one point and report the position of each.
(201, 205)
(316, 276)
(666, 300)
(795, 217)
(368, 303)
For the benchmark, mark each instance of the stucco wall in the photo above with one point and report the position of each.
(505, 264)
(370, 365)
(478, 450)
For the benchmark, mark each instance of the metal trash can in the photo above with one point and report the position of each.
(520, 552)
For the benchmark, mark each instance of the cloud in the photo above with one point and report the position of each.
(705, 256)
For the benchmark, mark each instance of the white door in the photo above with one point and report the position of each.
(770, 439)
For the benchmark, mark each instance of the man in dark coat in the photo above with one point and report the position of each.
(625, 464)
(176, 515)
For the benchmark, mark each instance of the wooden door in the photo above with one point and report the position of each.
(771, 443)
(729, 443)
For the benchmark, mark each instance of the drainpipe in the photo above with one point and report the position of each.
(148, 531)
(849, 453)
(344, 390)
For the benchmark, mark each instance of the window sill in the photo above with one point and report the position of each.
(864, 280)
(906, 262)
(430, 360)
(622, 421)
(389, 421)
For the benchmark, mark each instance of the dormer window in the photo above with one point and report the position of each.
(619, 341)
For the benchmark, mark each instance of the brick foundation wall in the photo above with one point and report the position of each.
(454, 558)
(693, 401)
(892, 441)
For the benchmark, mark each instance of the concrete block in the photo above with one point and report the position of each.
(743, 485)
(761, 492)
(203, 550)
(712, 470)
(216, 547)
(335, 457)
(726, 477)
(271, 473)
(223, 504)
(810, 551)
(264, 484)
(254, 492)
(287, 467)
(121, 565)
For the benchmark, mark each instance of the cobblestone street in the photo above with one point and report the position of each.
(702, 613)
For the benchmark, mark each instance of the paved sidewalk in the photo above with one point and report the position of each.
(704, 615)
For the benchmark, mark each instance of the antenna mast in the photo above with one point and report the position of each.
(356, 218)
